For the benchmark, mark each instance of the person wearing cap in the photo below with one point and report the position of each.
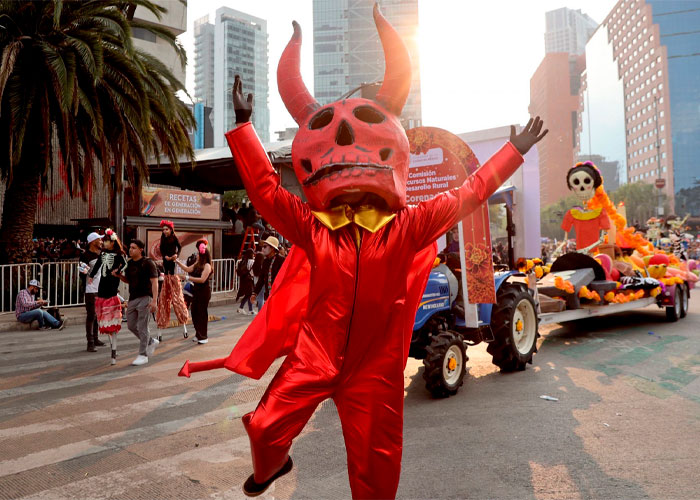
(268, 271)
(88, 260)
(28, 309)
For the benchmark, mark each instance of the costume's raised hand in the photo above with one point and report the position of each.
(242, 107)
(529, 136)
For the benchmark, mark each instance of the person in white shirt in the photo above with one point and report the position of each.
(87, 262)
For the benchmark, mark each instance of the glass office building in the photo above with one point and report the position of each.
(236, 44)
(679, 34)
(348, 52)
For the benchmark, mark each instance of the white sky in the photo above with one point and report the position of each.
(476, 56)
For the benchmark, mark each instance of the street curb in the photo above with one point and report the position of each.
(76, 316)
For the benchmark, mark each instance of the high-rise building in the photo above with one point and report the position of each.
(204, 61)
(554, 90)
(236, 44)
(640, 96)
(175, 20)
(567, 31)
(348, 52)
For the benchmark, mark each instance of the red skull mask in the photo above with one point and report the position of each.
(355, 146)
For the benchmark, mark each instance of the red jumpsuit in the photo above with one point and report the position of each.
(352, 344)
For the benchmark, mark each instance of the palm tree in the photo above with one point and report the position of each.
(76, 94)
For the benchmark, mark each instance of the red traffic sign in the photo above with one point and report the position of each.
(660, 183)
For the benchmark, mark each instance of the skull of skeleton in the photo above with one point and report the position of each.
(581, 183)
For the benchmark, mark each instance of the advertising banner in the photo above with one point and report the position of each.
(441, 161)
(172, 203)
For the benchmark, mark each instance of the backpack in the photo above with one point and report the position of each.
(242, 269)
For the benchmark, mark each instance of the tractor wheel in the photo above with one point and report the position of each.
(684, 300)
(515, 327)
(673, 313)
(445, 364)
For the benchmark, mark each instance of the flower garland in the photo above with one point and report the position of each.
(627, 234)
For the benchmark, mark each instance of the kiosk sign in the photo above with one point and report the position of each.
(162, 202)
(441, 161)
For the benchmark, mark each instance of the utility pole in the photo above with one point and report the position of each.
(660, 182)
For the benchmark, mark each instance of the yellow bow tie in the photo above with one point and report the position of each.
(365, 216)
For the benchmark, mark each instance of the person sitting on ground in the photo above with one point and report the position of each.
(28, 309)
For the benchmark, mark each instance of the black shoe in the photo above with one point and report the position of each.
(253, 489)
(99, 343)
(91, 348)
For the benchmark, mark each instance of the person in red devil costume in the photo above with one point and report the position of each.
(343, 305)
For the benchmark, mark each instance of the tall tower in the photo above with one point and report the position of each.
(348, 52)
(554, 90)
(645, 87)
(204, 61)
(240, 48)
(567, 30)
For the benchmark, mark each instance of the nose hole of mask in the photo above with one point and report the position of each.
(344, 137)
(385, 153)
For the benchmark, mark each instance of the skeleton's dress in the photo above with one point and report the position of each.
(588, 225)
(107, 304)
(171, 291)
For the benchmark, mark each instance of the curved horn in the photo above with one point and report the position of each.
(295, 96)
(397, 75)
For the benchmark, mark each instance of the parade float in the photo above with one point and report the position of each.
(614, 269)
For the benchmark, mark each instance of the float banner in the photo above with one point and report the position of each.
(439, 162)
(172, 203)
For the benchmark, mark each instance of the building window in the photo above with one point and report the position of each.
(143, 34)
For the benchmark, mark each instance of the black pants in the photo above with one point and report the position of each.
(91, 328)
(200, 311)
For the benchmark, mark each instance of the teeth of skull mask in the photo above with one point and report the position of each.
(581, 183)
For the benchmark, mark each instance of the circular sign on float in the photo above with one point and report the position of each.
(660, 183)
(440, 161)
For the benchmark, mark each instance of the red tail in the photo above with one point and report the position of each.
(200, 366)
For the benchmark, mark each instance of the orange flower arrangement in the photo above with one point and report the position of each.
(563, 284)
(626, 234)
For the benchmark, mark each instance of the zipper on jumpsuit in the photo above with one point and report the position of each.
(354, 295)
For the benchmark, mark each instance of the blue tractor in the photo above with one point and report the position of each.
(441, 336)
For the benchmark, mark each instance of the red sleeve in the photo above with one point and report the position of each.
(568, 221)
(431, 219)
(284, 211)
(604, 221)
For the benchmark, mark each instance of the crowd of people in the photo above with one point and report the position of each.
(52, 249)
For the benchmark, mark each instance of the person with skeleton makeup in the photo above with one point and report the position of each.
(583, 179)
(108, 307)
(342, 306)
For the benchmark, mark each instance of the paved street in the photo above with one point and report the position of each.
(626, 424)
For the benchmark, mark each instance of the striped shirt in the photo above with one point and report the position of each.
(25, 302)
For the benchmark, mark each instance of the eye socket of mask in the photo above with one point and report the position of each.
(368, 114)
(321, 119)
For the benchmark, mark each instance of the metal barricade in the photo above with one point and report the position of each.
(15, 277)
(224, 277)
(63, 284)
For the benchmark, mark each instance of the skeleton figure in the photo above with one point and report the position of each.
(107, 263)
(591, 225)
(653, 233)
(675, 225)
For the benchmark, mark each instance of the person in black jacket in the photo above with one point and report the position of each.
(268, 272)
(107, 304)
(200, 274)
(171, 292)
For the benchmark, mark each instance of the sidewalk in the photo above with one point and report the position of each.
(76, 315)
